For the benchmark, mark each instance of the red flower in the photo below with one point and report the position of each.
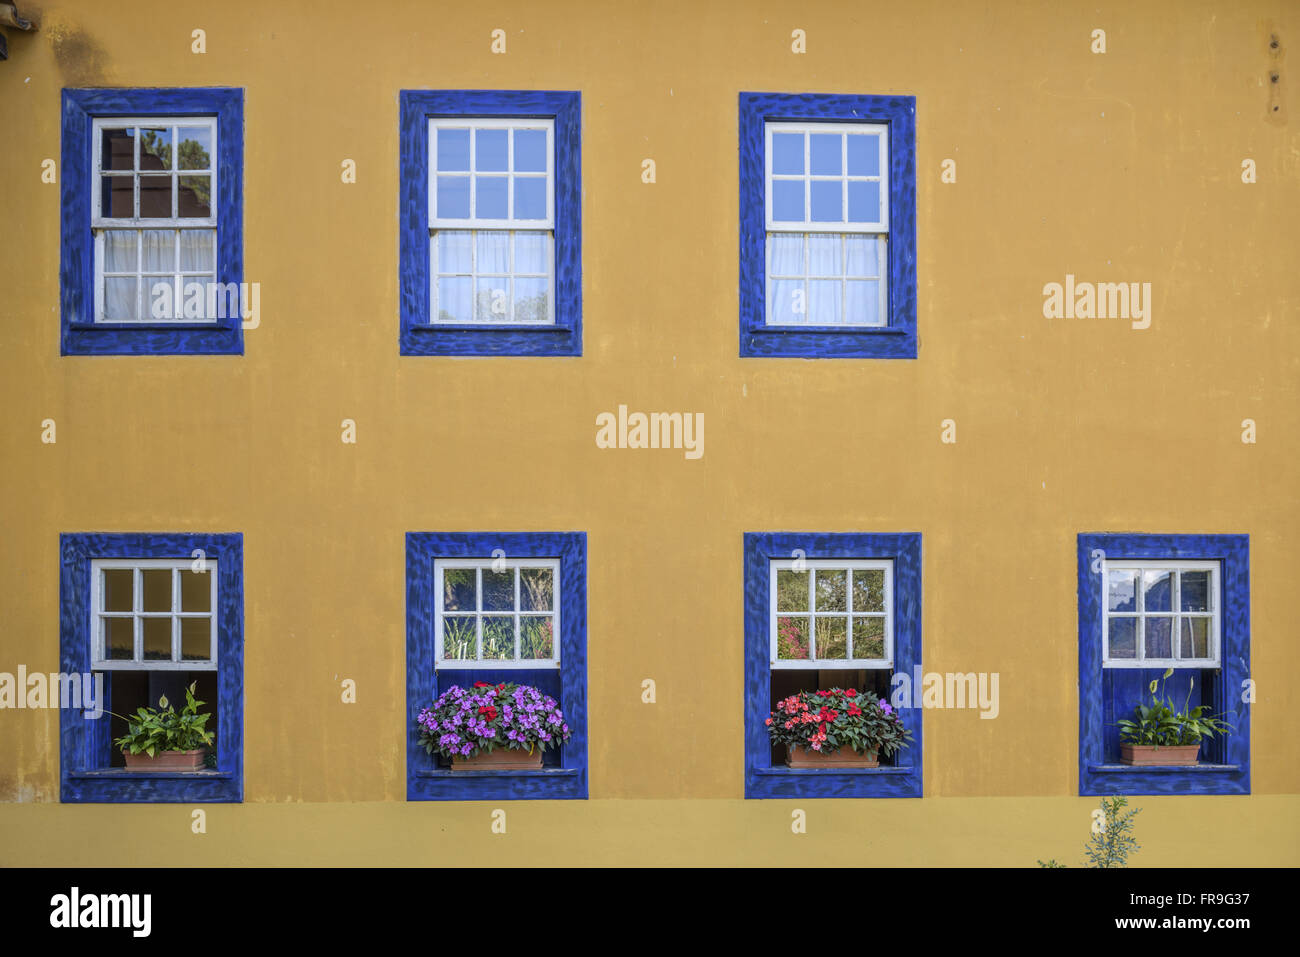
(481, 684)
(490, 711)
(821, 728)
(851, 693)
(768, 721)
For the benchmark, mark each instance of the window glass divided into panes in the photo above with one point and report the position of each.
(827, 215)
(829, 614)
(1161, 614)
(154, 614)
(154, 215)
(497, 613)
(492, 221)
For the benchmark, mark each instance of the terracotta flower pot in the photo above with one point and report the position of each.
(502, 759)
(166, 761)
(1150, 754)
(797, 757)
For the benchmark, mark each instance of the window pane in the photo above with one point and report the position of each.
(862, 255)
(1195, 591)
(1195, 638)
(490, 197)
(499, 590)
(159, 250)
(827, 199)
(864, 201)
(532, 253)
(824, 302)
(453, 150)
(195, 147)
(530, 197)
(119, 299)
(455, 300)
(117, 149)
(530, 151)
(196, 591)
(155, 197)
(787, 154)
(1159, 638)
(832, 638)
(493, 252)
(864, 154)
(490, 150)
(119, 250)
(492, 299)
(119, 639)
(156, 149)
(196, 639)
(785, 254)
(117, 584)
(117, 197)
(1121, 590)
(453, 197)
(455, 251)
(1123, 638)
(787, 201)
(536, 589)
(787, 302)
(498, 636)
(831, 589)
(868, 637)
(531, 300)
(536, 638)
(195, 198)
(792, 639)
(824, 153)
(862, 304)
(458, 589)
(869, 589)
(156, 587)
(825, 255)
(1158, 590)
(157, 639)
(198, 250)
(458, 637)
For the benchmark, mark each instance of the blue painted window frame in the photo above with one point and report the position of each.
(1103, 775)
(84, 742)
(898, 339)
(81, 335)
(762, 780)
(425, 780)
(419, 337)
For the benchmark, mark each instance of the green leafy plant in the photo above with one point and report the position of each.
(1114, 842)
(150, 731)
(833, 718)
(1160, 725)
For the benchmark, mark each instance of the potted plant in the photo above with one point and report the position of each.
(836, 727)
(1159, 735)
(163, 740)
(504, 727)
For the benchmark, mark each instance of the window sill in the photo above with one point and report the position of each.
(489, 327)
(447, 773)
(156, 326)
(813, 783)
(821, 772)
(1166, 768)
(124, 774)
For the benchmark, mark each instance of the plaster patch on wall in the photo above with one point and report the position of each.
(82, 61)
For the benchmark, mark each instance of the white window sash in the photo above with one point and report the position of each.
(473, 123)
(880, 227)
(493, 564)
(1214, 616)
(830, 664)
(98, 655)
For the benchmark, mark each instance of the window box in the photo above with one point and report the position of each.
(152, 195)
(486, 610)
(1149, 754)
(1148, 603)
(828, 226)
(166, 760)
(491, 223)
(151, 613)
(824, 610)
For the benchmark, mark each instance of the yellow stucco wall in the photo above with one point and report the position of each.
(1123, 166)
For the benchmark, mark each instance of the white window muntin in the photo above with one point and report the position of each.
(489, 123)
(828, 664)
(138, 225)
(495, 564)
(809, 225)
(1140, 615)
(99, 616)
